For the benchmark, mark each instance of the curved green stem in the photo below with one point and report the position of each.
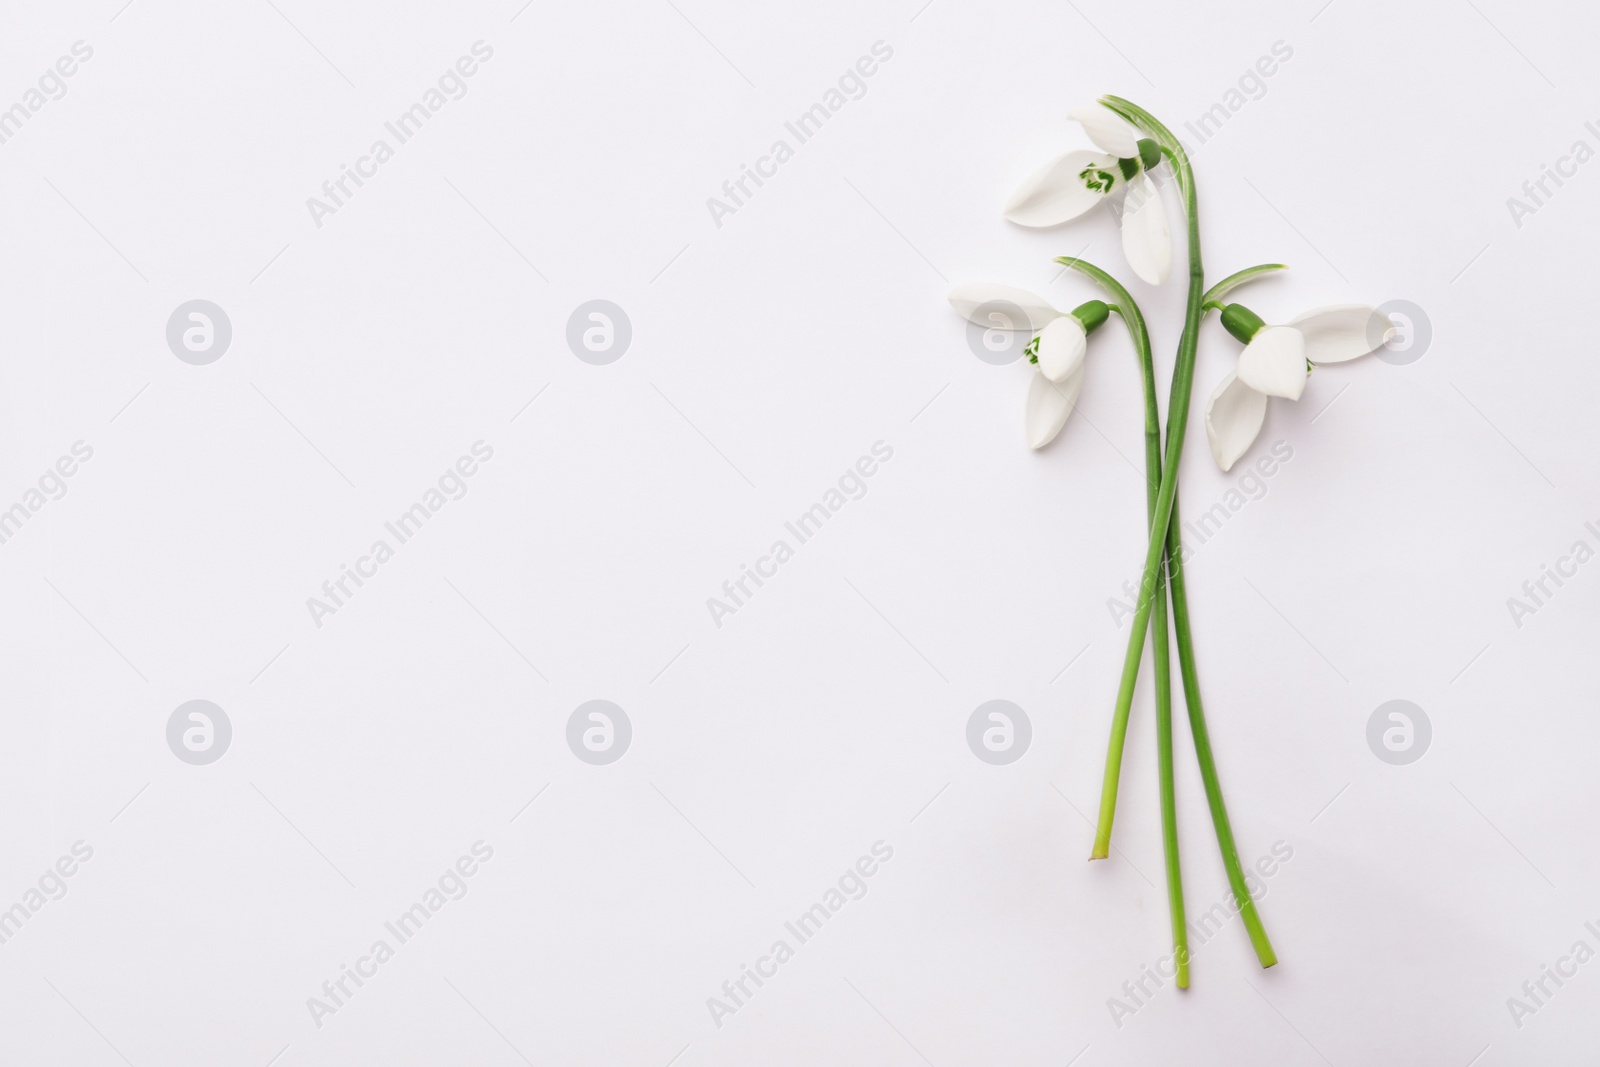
(1227, 285)
(1177, 421)
(1134, 320)
(1165, 538)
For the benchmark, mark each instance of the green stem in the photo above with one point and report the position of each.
(1134, 320)
(1169, 794)
(1202, 747)
(1177, 420)
(1165, 539)
(1191, 691)
(1161, 654)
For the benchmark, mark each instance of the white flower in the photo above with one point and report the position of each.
(1275, 363)
(1072, 184)
(1061, 345)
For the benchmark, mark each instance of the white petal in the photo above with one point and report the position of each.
(1274, 362)
(1146, 240)
(1049, 404)
(1233, 420)
(1343, 331)
(1057, 192)
(1002, 307)
(1107, 129)
(1061, 348)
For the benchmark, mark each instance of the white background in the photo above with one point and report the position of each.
(830, 712)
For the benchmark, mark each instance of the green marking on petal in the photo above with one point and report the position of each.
(1097, 179)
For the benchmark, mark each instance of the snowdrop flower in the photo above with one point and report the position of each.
(1276, 362)
(1057, 350)
(1072, 184)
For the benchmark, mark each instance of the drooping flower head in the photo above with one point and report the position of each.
(1057, 349)
(1077, 182)
(1277, 360)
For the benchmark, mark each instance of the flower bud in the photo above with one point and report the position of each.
(1149, 153)
(1241, 322)
(1092, 314)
